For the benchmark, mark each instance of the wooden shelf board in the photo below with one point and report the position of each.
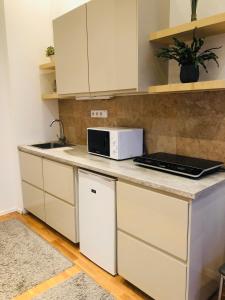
(188, 87)
(50, 96)
(205, 27)
(47, 66)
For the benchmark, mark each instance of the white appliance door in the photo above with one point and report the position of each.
(97, 219)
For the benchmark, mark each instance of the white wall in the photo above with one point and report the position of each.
(8, 197)
(60, 7)
(25, 32)
(180, 12)
(25, 117)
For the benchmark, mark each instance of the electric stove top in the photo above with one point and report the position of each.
(177, 164)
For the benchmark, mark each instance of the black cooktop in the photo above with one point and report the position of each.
(177, 164)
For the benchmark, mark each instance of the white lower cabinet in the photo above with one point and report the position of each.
(33, 200)
(31, 169)
(49, 193)
(152, 241)
(154, 272)
(59, 180)
(60, 216)
(158, 219)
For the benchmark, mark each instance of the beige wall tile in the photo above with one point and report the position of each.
(189, 124)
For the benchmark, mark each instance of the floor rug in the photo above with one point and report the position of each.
(79, 287)
(25, 259)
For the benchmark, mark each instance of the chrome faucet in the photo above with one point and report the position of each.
(61, 137)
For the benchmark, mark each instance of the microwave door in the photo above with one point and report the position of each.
(99, 142)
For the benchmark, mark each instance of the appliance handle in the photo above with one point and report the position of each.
(88, 173)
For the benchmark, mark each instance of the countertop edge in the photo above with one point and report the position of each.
(187, 196)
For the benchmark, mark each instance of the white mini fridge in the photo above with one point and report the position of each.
(97, 219)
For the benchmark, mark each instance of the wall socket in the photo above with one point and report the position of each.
(99, 113)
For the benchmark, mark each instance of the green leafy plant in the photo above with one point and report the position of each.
(194, 4)
(189, 54)
(50, 51)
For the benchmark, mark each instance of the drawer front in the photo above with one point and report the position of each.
(157, 274)
(31, 169)
(155, 218)
(60, 216)
(33, 200)
(59, 180)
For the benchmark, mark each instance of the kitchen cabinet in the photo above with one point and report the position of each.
(60, 216)
(49, 192)
(157, 274)
(59, 180)
(112, 48)
(31, 169)
(167, 246)
(152, 239)
(158, 219)
(170, 239)
(70, 39)
(33, 200)
(114, 55)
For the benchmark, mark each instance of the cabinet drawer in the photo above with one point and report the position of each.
(157, 274)
(59, 180)
(60, 216)
(155, 218)
(33, 200)
(31, 169)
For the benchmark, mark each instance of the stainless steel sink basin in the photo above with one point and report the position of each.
(51, 145)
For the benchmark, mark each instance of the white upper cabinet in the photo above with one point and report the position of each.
(70, 38)
(103, 48)
(112, 45)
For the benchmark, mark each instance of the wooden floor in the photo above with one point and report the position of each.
(117, 286)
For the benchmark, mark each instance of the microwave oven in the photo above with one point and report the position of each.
(115, 143)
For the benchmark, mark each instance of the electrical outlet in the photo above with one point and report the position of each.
(99, 113)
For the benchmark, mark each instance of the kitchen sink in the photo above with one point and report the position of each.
(51, 145)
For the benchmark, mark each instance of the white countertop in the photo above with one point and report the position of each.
(126, 170)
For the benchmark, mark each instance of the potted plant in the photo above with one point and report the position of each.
(189, 57)
(50, 52)
(194, 4)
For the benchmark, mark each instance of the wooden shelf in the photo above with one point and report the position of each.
(206, 27)
(188, 87)
(50, 96)
(47, 66)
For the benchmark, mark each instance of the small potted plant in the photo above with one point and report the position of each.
(194, 4)
(50, 52)
(189, 57)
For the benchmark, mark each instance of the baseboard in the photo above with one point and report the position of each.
(5, 212)
(19, 210)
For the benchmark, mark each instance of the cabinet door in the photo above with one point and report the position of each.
(60, 216)
(70, 38)
(31, 169)
(112, 45)
(159, 220)
(33, 200)
(157, 274)
(59, 180)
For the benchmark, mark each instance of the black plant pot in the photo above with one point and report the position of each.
(189, 73)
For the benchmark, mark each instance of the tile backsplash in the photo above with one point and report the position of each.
(190, 124)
